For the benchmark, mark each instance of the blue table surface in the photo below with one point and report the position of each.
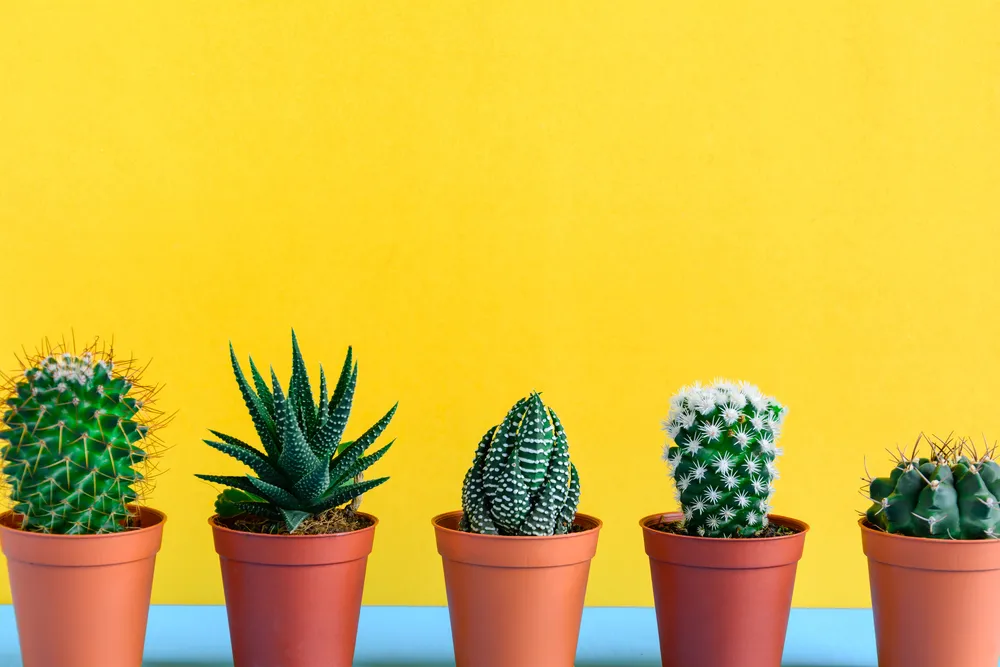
(197, 636)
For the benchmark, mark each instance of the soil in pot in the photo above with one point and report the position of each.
(331, 522)
(772, 530)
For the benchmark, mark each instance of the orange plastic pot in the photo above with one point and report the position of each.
(515, 601)
(61, 583)
(952, 585)
(293, 600)
(722, 602)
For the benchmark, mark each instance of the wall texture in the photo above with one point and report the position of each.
(602, 201)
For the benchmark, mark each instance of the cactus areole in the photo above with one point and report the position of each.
(723, 457)
(952, 494)
(522, 482)
(77, 432)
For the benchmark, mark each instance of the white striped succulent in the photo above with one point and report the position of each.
(522, 481)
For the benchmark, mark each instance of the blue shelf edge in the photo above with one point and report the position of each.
(197, 636)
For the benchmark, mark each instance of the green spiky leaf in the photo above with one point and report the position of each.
(262, 421)
(296, 457)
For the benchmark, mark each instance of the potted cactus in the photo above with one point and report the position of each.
(79, 435)
(931, 539)
(723, 568)
(517, 557)
(292, 544)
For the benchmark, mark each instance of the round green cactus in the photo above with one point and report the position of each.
(723, 457)
(952, 494)
(522, 481)
(77, 433)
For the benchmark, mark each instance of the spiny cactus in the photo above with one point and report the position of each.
(304, 468)
(521, 481)
(952, 494)
(723, 457)
(78, 430)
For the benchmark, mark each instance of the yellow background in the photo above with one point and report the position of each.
(599, 200)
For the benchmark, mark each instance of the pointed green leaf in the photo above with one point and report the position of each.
(568, 513)
(263, 391)
(261, 420)
(276, 494)
(329, 435)
(314, 484)
(240, 482)
(228, 502)
(343, 494)
(322, 413)
(293, 518)
(245, 454)
(262, 510)
(300, 392)
(345, 379)
(360, 465)
(296, 457)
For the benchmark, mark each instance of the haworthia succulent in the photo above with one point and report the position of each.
(521, 481)
(305, 468)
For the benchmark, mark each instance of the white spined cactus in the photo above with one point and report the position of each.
(723, 456)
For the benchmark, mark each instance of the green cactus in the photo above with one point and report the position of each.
(952, 494)
(521, 481)
(723, 457)
(304, 468)
(78, 435)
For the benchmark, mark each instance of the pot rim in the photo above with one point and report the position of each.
(159, 516)
(787, 521)
(270, 536)
(598, 524)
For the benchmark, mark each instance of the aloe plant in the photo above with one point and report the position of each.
(303, 469)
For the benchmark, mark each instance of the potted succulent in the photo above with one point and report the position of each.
(79, 434)
(292, 546)
(723, 568)
(517, 557)
(930, 537)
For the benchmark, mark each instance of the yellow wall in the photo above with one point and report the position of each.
(602, 201)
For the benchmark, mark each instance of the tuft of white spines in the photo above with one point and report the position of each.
(730, 397)
(69, 368)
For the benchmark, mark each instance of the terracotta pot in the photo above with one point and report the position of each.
(61, 583)
(722, 602)
(515, 601)
(293, 600)
(935, 601)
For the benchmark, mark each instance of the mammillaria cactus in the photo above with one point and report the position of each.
(304, 469)
(723, 457)
(79, 430)
(522, 481)
(952, 494)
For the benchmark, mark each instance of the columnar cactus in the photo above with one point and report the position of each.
(78, 430)
(723, 457)
(522, 481)
(952, 494)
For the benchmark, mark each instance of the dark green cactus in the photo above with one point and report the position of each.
(952, 494)
(78, 431)
(522, 481)
(304, 468)
(723, 459)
